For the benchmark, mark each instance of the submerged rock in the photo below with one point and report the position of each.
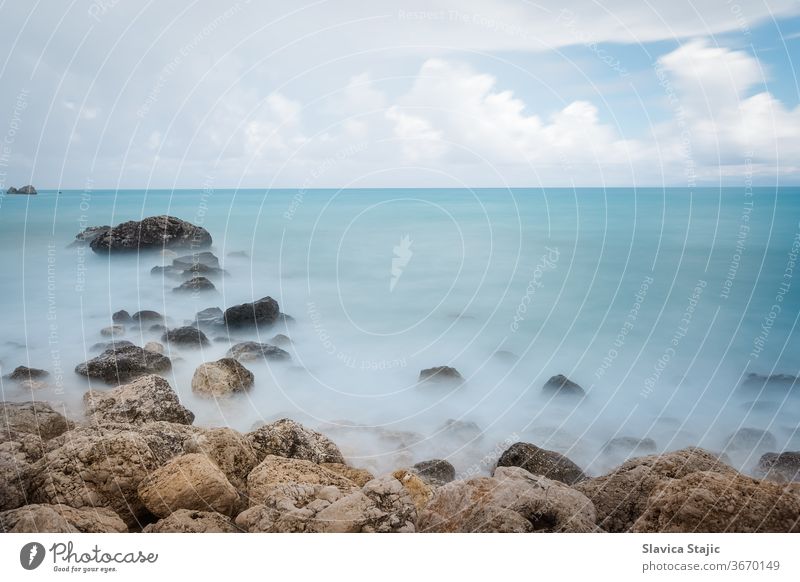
(154, 232)
(781, 467)
(440, 374)
(746, 440)
(147, 315)
(629, 446)
(119, 364)
(562, 386)
(221, 378)
(57, 518)
(541, 462)
(113, 330)
(88, 234)
(205, 258)
(186, 336)
(212, 316)
(252, 351)
(146, 399)
(290, 439)
(195, 285)
(121, 316)
(265, 311)
(23, 373)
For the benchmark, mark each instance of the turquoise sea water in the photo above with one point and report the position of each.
(657, 301)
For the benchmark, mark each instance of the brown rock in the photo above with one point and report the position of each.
(274, 471)
(221, 378)
(191, 521)
(287, 438)
(146, 399)
(227, 449)
(358, 476)
(36, 418)
(60, 519)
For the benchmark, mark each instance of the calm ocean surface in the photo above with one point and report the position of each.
(658, 302)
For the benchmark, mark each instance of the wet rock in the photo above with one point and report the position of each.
(154, 347)
(460, 430)
(629, 446)
(436, 472)
(712, 502)
(287, 438)
(562, 386)
(211, 316)
(265, 311)
(34, 418)
(39, 518)
(196, 284)
(146, 399)
(186, 336)
(253, 351)
(781, 383)
(22, 373)
(281, 340)
(206, 258)
(152, 233)
(228, 450)
(274, 472)
(541, 462)
(746, 440)
(87, 235)
(121, 316)
(190, 481)
(103, 346)
(193, 521)
(513, 500)
(113, 330)
(440, 374)
(780, 467)
(147, 316)
(358, 476)
(119, 364)
(221, 378)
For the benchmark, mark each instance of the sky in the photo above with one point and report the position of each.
(438, 93)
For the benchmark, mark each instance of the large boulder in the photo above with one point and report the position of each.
(57, 518)
(621, 496)
(358, 476)
(186, 336)
(712, 502)
(253, 351)
(275, 471)
(265, 311)
(119, 364)
(221, 378)
(381, 505)
(35, 418)
(513, 500)
(192, 521)
(227, 449)
(23, 373)
(290, 439)
(146, 399)
(191, 481)
(541, 462)
(152, 233)
(436, 472)
(781, 467)
(560, 385)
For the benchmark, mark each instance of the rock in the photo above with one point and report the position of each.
(205, 258)
(221, 378)
(146, 315)
(195, 285)
(513, 500)
(113, 330)
(621, 496)
(382, 505)
(460, 430)
(166, 271)
(265, 311)
(22, 373)
(154, 347)
(630, 446)
(281, 340)
(12, 190)
(39, 518)
(87, 235)
(440, 374)
(192, 521)
(154, 232)
(747, 440)
(191, 481)
(121, 316)
(275, 471)
(146, 399)
(95, 470)
(227, 449)
(24, 190)
(712, 502)
(34, 418)
(781, 467)
(211, 316)
(421, 493)
(781, 383)
(541, 462)
(358, 476)
(562, 386)
(238, 254)
(436, 472)
(157, 328)
(18, 452)
(252, 351)
(119, 364)
(186, 336)
(506, 356)
(117, 343)
(290, 439)
(203, 270)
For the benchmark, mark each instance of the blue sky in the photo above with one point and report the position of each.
(440, 93)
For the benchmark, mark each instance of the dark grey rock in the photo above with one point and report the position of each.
(186, 336)
(121, 316)
(147, 315)
(435, 472)
(265, 311)
(441, 374)
(152, 233)
(22, 373)
(539, 461)
(195, 285)
(251, 351)
(562, 386)
(119, 364)
(783, 467)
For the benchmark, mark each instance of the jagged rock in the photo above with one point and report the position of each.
(227, 449)
(154, 232)
(195, 285)
(440, 374)
(23, 373)
(265, 311)
(712, 502)
(192, 521)
(190, 481)
(621, 496)
(421, 493)
(781, 467)
(186, 336)
(358, 476)
(287, 438)
(113, 330)
(252, 351)
(542, 462)
(436, 472)
(35, 418)
(154, 347)
(30, 190)
(275, 471)
(147, 315)
(221, 378)
(513, 500)
(122, 363)
(146, 399)
(562, 386)
(56, 518)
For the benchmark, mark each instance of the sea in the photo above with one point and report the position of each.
(659, 302)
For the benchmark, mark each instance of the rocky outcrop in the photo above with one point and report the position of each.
(542, 462)
(513, 500)
(222, 378)
(781, 467)
(440, 374)
(113, 330)
(30, 190)
(562, 386)
(146, 399)
(436, 472)
(186, 336)
(190, 481)
(192, 521)
(34, 418)
(196, 284)
(253, 351)
(119, 364)
(712, 502)
(274, 472)
(265, 311)
(621, 496)
(37, 518)
(152, 233)
(290, 439)
(228, 450)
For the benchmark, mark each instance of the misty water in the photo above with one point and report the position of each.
(658, 302)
